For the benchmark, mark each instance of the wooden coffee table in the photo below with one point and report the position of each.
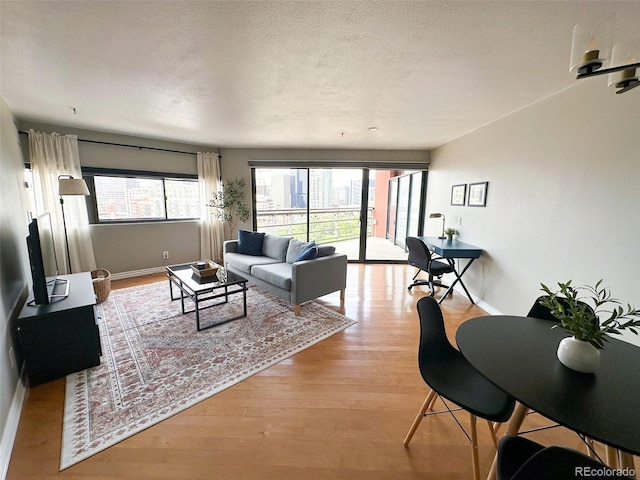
(202, 290)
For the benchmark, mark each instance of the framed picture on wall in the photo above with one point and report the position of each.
(478, 194)
(458, 194)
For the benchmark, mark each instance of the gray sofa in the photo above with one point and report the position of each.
(274, 268)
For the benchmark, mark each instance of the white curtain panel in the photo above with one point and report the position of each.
(52, 155)
(211, 229)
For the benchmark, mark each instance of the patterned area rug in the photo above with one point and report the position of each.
(155, 364)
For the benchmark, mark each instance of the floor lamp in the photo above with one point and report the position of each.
(67, 185)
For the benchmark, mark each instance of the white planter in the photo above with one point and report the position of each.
(578, 355)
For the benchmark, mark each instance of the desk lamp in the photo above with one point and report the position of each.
(438, 215)
(67, 185)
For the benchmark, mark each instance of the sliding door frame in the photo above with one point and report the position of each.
(421, 209)
(366, 168)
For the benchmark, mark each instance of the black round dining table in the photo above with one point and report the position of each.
(518, 354)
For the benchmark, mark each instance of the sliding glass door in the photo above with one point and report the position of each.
(281, 201)
(359, 211)
(406, 207)
(334, 208)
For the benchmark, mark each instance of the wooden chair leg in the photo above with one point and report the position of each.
(493, 429)
(296, 310)
(419, 417)
(517, 417)
(474, 447)
(612, 456)
(496, 427)
(591, 448)
(626, 461)
(432, 403)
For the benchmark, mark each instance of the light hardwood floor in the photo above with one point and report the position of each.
(338, 410)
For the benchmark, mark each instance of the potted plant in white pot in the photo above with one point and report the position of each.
(450, 232)
(590, 314)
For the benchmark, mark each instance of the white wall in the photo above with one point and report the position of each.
(563, 196)
(14, 268)
(137, 247)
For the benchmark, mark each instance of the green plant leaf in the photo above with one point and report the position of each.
(580, 310)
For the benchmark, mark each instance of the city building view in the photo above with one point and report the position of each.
(122, 199)
(324, 204)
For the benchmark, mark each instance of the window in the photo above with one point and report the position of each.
(129, 199)
(183, 199)
(321, 204)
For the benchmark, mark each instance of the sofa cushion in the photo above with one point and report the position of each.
(326, 250)
(244, 263)
(275, 246)
(278, 274)
(250, 243)
(295, 247)
(308, 253)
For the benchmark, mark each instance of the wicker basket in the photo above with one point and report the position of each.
(101, 284)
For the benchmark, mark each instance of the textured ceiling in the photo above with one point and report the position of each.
(295, 74)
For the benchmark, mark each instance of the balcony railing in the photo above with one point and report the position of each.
(326, 225)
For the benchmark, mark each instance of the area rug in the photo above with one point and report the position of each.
(155, 364)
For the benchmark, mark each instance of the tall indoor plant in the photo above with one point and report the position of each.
(590, 314)
(229, 203)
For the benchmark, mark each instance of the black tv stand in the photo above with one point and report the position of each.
(61, 337)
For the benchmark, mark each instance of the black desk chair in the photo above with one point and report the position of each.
(421, 258)
(522, 459)
(452, 377)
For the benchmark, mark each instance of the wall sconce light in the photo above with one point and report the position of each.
(591, 50)
(438, 215)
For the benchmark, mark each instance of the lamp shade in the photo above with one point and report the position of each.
(439, 215)
(624, 54)
(72, 186)
(591, 44)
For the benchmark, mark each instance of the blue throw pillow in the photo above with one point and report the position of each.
(308, 253)
(250, 243)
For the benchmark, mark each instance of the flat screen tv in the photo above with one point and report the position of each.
(42, 258)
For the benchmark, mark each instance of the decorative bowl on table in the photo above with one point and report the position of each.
(205, 269)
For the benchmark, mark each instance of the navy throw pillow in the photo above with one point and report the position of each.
(250, 243)
(308, 253)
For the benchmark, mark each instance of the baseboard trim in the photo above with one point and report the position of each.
(479, 302)
(10, 429)
(485, 306)
(136, 273)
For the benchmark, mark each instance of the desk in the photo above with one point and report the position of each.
(518, 354)
(450, 250)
